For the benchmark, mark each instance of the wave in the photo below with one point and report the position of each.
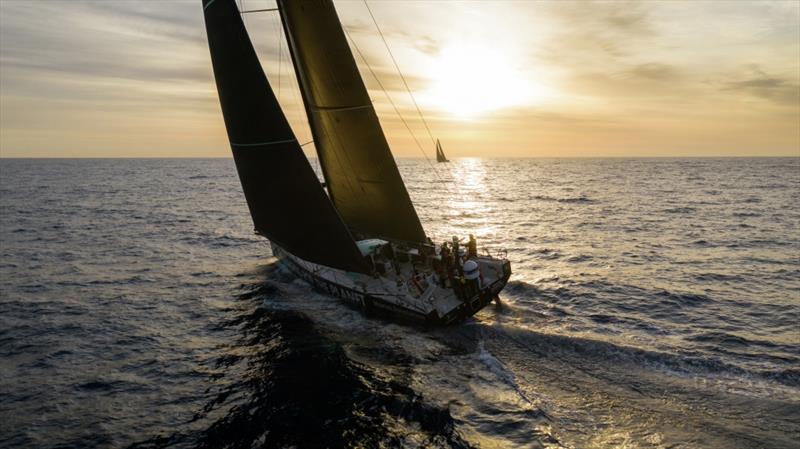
(683, 299)
(724, 339)
(680, 210)
(605, 355)
(219, 241)
(287, 385)
(601, 308)
(579, 199)
(545, 253)
(718, 277)
(570, 289)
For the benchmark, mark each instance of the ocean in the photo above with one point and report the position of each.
(655, 303)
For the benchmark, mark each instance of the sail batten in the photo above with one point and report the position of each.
(363, 180)
(341, 108)
(261, 144)
(283, 194)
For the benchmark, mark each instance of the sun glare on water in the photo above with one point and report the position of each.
(470, 80)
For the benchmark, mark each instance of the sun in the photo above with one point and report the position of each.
(472, 79)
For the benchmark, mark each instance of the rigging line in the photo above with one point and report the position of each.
(389, 97)
(294, 85)
(394, 61)
(259, 10)
(449, 170)
(279, 39)
(280, 58)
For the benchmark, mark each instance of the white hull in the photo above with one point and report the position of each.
(391, 295)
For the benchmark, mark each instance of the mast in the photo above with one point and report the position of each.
(284, 196)
(361, 174)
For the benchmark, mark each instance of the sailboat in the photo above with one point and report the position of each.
(361, 240)
(440, 153)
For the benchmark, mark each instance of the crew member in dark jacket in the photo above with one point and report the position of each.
(457, 257)
(447, 263)
(472, 247)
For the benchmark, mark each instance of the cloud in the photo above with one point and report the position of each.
(93, 77)
(654, 82)
(102, 76)
(375, 62)
(782, 90)
(592, 30)
(655, 71)
(45, 45)
(628, 18)
(424, 43)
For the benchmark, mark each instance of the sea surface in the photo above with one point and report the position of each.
(655, 303)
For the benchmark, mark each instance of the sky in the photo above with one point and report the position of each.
(119, 78)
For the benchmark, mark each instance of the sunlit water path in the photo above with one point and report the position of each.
(654, 303)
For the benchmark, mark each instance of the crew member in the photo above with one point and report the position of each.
(462, 288)
(472, 275)
(472, 247)
(416, 280)
(457, 256)
(447, 264)
(445, 252)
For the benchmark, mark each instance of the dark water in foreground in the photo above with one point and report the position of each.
(655, 303)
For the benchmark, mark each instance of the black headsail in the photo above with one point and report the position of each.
(362, 176)
(286, 200)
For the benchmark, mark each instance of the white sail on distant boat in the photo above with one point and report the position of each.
(362, 240)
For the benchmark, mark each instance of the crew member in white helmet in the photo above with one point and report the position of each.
(472, 274)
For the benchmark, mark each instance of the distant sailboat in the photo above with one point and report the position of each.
(362, 241)
(439, 153)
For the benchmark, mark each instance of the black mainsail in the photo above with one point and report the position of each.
(286, 200)
(361, 174)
